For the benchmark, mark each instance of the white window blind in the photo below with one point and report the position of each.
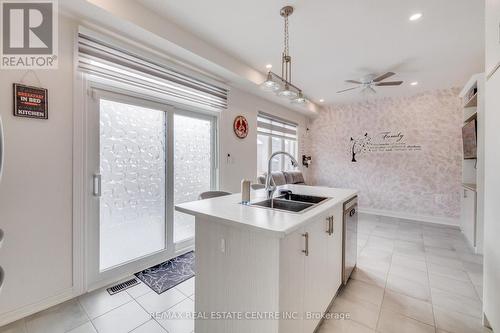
(112, 63)
(277, 127)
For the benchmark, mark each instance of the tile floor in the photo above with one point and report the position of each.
(411, 278)
(128, 311)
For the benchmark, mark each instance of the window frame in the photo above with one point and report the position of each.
(269, 134)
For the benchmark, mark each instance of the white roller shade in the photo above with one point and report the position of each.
(274, 126)
(112, 63)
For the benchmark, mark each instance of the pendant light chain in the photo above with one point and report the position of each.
(286, 65)
(282, 85)
(287, 49)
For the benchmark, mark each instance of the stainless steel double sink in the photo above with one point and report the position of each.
(291, 202)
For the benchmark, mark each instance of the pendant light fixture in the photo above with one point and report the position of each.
(282, 85)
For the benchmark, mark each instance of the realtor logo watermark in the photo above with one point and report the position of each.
(28, 34)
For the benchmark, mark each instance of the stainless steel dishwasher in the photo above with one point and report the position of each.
(350, 238)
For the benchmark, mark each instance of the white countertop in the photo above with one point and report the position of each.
(229, 210)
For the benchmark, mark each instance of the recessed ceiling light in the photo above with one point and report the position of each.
(416, 17)
(414, 83)
(321, 100)
(269, 66)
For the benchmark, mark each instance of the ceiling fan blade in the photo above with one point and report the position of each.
(353, 81)
(383, 76)
(392, 83)
(341, 91)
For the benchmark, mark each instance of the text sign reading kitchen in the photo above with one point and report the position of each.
(30, 102)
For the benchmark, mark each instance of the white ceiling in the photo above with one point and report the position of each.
(335, 40)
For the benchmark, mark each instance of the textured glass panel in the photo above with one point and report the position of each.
(192, 168)
(132, 166)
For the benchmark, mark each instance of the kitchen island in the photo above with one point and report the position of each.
(266, 270)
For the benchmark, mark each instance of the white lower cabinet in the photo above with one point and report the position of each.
(245, 271)
(468, 216)
(310, 271)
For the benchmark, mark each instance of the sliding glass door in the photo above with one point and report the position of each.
(143, 158)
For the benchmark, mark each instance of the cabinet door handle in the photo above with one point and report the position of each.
(329, 230)
(306, 250)
(331, 225)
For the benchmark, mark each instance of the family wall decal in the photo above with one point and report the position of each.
(382, 142)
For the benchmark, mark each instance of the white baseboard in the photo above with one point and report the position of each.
(410, 216)
(9, 317)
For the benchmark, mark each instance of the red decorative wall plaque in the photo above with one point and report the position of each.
(240, 127)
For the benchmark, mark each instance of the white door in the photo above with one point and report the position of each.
(316, 291)
(292, 261)
(334, 253)
(143, 157)
(468, 218)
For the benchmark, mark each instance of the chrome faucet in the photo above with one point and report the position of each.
(270, 189)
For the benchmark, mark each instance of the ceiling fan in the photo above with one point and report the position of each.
(369, 81)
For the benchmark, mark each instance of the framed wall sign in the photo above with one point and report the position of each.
(240, 127)
(30, 102)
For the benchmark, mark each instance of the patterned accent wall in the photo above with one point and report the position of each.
(421, 177)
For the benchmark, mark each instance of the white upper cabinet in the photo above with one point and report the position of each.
(492, 34)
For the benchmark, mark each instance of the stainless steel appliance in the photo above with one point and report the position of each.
(350, 238)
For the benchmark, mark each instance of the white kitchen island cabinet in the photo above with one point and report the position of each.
(263, 270)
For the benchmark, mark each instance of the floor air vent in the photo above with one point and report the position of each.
(122, 286)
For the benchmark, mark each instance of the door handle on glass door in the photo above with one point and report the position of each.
(97, 185)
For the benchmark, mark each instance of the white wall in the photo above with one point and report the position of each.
(491, 291)
(491, 199)
(36, 188)
(420, 184)
(243, 163)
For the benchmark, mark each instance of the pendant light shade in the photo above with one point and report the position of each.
(287, 92)
(300, 99)
(270, 84)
